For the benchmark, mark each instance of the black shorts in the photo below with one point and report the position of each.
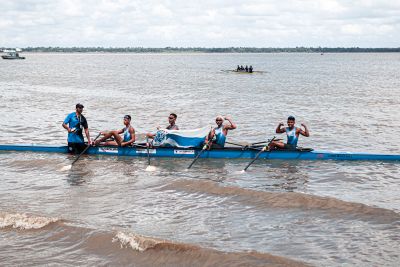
(76, 148)
(290, 147)
(214, 145)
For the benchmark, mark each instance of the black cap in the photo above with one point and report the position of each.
(79, 105)
(291, 118)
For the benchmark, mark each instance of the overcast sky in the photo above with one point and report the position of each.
(202, 23)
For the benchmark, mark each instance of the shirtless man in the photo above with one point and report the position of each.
(126, 140)
(292, 134)
(217, 136)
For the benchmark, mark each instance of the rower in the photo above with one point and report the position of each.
(246, 69)
(128, 135)
(171, 125)
(238, 68)
(75, 123)
(292, 134)
(217, 136)
(251, 69)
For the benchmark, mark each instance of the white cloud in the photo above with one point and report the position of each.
(210, 23)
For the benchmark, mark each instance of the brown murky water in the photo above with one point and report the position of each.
(110, 211)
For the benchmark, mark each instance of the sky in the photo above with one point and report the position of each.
(202, 23)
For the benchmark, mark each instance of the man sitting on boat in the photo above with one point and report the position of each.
(217, 136)
(171, 126)
(75, 123)
(128, 133)
(292, 134)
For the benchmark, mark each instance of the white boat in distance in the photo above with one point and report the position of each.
(12, 54)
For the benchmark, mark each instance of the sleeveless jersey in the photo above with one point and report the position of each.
(127, 134)
(291, 136)
(220, 138)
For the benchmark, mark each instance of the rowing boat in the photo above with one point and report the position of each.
(244, 72)
(227, 153)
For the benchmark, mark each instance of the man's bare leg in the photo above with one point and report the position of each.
(107, 135)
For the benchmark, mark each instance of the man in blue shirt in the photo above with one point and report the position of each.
(75, 123)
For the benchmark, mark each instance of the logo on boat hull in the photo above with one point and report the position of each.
(183, 152)
(144, 151)
(109, 150)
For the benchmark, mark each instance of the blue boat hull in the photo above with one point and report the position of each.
(224, 153)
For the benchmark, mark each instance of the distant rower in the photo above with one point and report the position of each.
(292, 134)
(217, 137)
(128, 135)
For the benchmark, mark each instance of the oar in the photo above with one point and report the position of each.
(258, 154)
(198, 155)
(149, 168)
(244, 147)
(236, 144)
(263, 142)
(83, 152)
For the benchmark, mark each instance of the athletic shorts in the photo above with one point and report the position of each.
(290, 147)
(76, 148)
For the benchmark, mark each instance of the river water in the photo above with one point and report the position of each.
(110, 211)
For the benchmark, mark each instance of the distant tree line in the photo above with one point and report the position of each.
(208, 50)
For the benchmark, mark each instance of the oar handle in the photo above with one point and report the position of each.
(245, 147)
(263, 142)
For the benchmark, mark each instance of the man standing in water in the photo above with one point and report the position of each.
(75, 123)
(292, 134)
(217, 137)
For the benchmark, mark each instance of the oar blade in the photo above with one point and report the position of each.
(66, 168)
(150, 168)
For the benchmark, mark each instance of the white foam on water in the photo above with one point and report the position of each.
(135, 241)
(151, 168)
(23, 221)
(66, 168)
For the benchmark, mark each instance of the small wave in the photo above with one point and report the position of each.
(169, 253)
(24, 221)
(143, 243)
(135, 241)
(290, 200)
(102, 248)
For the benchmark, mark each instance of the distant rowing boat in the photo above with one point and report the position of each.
(224, 153)
(244, 72)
